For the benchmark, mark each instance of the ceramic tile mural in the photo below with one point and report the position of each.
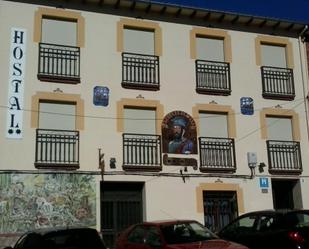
(29, 201)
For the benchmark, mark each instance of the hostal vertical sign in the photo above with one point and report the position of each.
(16, 83)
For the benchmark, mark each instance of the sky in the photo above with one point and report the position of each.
(288, 10)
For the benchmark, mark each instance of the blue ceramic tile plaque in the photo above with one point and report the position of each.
(246, 105)
(100, 96)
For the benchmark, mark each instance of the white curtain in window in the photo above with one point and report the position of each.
(274, 56)
(59, 32)
(139, 41)
(139, 121)
(210, 49)
(213, 125)
(57, 116)
(279, 128)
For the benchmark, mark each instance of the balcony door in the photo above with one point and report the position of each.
(277, 78)
(59, 55)
(140, 66)
(57, 141)
(212, 72)
(284, 153)
(141, 145)
(217, 150)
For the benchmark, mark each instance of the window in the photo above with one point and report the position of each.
(57, 121)
(265, 223)
(140, 43)
(274, 56)
(211, 50)
(220, 208)
(153, 238)
(280, 128)
(137, 235)
(139, 121)
(60, 35)
(216, 137)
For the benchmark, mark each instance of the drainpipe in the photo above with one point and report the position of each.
(303, 71)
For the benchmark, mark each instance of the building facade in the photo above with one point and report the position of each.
(115, 112)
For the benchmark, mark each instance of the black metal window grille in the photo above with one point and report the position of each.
(57, 148)
(277, 82)
(284, 156)
(220, 207)
(141, 150)
(217, 154)
(213, 77)
(59, 62)
(139, 70)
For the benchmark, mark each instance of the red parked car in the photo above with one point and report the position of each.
(176, 234)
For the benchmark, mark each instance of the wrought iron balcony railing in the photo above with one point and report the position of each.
(278, 83)
(217, 154)
(213, 77)
(59, 63)
(57, 149)
(140, 71)
(141, 151)
(284, 157)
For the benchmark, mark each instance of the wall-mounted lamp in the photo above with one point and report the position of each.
(112, 163)
(261, 167)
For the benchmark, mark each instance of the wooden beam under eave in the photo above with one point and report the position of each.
(290, 27)
(163, 10)
(207, 16)
(193, 14)
(148, 8)
(178, 12)
(235, 19)
(117, 4)
(249, 21)
(132, 7)
(221, 18)
(262, 24)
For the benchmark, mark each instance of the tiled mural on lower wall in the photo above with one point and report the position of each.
(30, 201)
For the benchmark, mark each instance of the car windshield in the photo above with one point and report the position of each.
(186, 232)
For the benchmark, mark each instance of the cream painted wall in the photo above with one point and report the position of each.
(101, 66)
